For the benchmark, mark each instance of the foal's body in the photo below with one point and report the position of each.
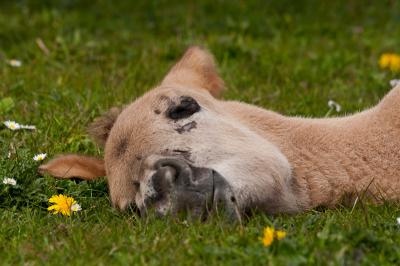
(335, 157)
(180, 147)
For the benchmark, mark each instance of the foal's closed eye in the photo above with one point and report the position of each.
(187, 107)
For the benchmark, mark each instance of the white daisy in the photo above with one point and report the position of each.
(398, 220)
(40, 157)
(12, 125)
(14, 63)
(334, 104)
(28, 127)
(9, 181)
(76, 207)
(394, 82)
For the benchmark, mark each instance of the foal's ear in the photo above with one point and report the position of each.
(196, 69)
(101, 127)
(74, 166)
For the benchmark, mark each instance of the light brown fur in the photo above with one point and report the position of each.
(275, 163)
(74, 166)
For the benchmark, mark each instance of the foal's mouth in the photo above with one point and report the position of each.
(210, 201)
(221, 199)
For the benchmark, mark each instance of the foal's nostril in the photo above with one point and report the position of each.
(172, 169)
(172, 163)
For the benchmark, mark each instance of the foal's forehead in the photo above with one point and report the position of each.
(148, 107)
(159, 95)
(163, 97)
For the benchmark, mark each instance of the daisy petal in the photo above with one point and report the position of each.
(394, 82)
(9, 181)
(76, 207)
(28, 127)
(40, 157)
(14, 63)
(12, 125)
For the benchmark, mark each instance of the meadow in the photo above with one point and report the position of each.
(79, 58)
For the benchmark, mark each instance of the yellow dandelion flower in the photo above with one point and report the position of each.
(270, 234)
(384, 60)
(62, 204)
(391, 61)
(280, 235)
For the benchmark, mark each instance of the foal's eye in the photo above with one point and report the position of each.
(186, 108)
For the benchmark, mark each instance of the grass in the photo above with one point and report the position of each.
(287, 56)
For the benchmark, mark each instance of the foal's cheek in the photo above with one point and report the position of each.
(122, 192)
